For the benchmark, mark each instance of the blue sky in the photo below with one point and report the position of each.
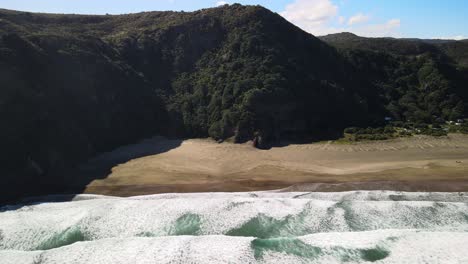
(373, 18)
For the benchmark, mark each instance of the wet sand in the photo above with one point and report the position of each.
(202, 165)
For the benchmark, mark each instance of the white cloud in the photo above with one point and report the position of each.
(311, 15)
(358, 18)
(459, 37)
(341, 19)
(221, 3)
(321, 17)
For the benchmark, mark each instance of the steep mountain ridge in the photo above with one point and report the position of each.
(72, 86)
(454, 51)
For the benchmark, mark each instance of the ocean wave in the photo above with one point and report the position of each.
(384, 246)
(249, 227)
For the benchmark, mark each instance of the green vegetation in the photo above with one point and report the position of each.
(416, 80)
(72, 86)
(401, 129)
(461, 128)
(379, 133)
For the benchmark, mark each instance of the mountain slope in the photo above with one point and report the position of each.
(72, 86)
(419, 80)
(456, 50)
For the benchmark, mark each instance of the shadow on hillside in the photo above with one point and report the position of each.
(299, 141)
(75, 181)
(99, 167)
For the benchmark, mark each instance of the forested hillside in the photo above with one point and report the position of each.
(419, 80)
(72, 86)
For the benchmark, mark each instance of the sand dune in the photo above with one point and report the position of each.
(426, 163)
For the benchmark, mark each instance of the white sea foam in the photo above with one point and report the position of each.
(386, 246)
(270, 227)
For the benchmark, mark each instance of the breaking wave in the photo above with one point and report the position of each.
(270, 227)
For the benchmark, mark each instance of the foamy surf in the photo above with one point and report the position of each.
(265, 227)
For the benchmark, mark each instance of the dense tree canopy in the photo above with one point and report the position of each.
(72, 86)
(419, 80)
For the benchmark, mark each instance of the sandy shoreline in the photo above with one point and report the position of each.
(202, 165)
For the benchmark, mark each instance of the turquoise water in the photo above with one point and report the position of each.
(265, 227)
